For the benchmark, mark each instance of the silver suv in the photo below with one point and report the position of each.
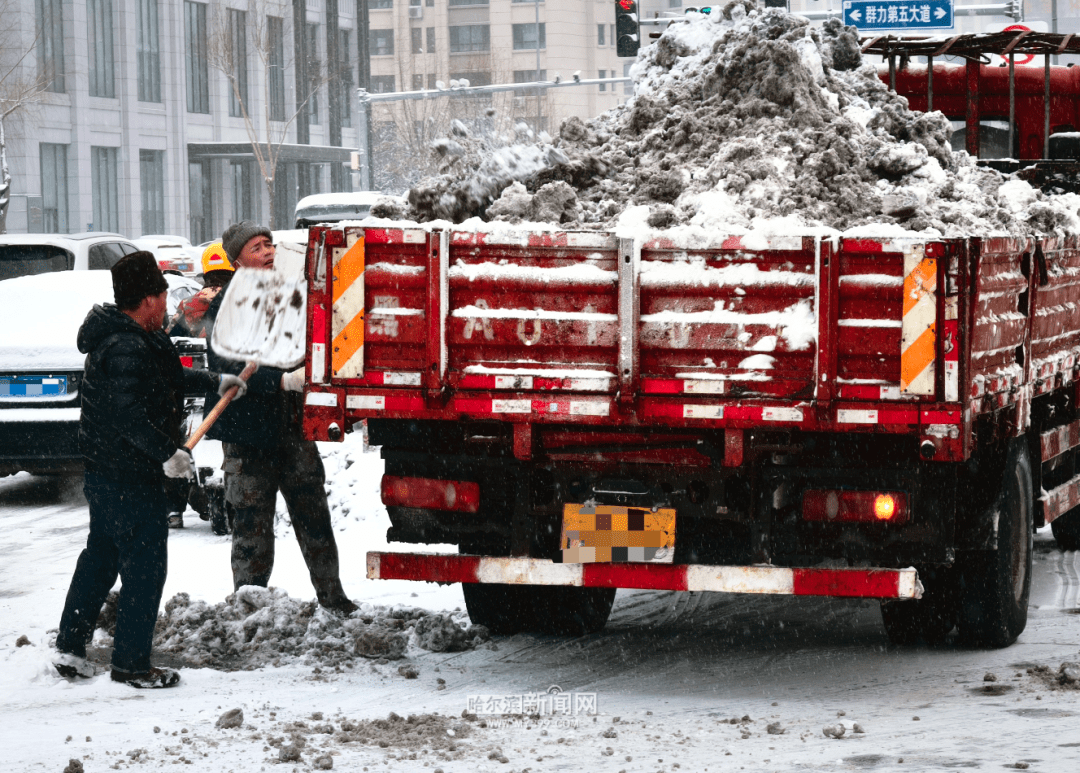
(28, 254)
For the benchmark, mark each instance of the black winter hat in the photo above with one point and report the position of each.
(239, 234)
(136, 276)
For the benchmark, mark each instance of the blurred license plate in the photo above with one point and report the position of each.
(609, 534)
(33, 386)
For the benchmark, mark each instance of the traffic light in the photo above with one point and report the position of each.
(627, 28)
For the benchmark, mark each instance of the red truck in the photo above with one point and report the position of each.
(579, 412)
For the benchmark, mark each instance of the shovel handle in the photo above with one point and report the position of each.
(222, 404)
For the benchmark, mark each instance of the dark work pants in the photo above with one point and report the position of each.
(253, 476)
(128, 537)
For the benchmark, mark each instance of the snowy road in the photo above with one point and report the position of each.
(673, 667)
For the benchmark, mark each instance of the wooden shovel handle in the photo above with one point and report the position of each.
(222, 404)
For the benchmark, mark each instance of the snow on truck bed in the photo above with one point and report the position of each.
(746, 120)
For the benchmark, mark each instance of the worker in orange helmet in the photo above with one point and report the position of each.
(187, 322)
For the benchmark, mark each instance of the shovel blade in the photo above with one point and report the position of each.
(263, 319)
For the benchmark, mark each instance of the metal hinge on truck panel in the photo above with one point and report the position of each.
(347, 319)
(918, 342)
(629, 320)
(438, 303)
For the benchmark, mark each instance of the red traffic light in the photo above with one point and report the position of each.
(627, 5)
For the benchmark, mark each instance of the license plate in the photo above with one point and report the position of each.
(610, 534)
(33, 386)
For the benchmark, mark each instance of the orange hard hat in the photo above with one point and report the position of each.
(215, 259)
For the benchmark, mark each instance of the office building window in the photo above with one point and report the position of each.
(238, 78)
(382, 42)
(275, 71)
(374, 4)
(628, 87)
(601, 35)
(152, 187)
(147, 54)
(431, 40)
(242, 193)
(432, 79)
(603, 74)
(99, 41)
(528, 76)
(195, 60)
(199, 202)
(467, 2)
(417, 82)
(103, 185)
(50, 46)
(525, 36)
(470, 37)
(54, 188)
(382, 84)
(417, 40)
(348, 85)
(313, 72)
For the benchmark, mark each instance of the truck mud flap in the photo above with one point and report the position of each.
(449, 568)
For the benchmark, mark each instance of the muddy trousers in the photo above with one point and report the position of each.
(253, 476)
(128, 538)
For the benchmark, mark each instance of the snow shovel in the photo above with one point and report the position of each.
(262, 321)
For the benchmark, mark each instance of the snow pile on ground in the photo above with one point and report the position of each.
(742, 118)
(1066, 677)
(255, 627)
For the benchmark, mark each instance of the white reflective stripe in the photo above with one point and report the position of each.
(589, 384)
(374, 564)
(890, 393)
(365, 402)
(908, 585)
(702, 411)
(318, 363)
(740, 579)
(589, 408)
(528, 571)
(703, 386)
(856, 416)
(511, 406)
(325, 399)
(401, 379)
(513, 382)
(952, 381)
(781, 414)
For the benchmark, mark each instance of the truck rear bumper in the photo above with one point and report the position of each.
(851, 583)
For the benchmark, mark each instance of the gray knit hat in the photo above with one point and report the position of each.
(239, 234)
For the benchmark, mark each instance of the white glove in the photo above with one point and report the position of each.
(180, 465)
(228, 381)
(294, 381)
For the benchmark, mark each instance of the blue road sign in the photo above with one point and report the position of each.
(899, 14)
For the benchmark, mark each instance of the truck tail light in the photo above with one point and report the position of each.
(855, 506)
(460, 495)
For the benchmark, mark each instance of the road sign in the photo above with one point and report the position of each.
(899, 14)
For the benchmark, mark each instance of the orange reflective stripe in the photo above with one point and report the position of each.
(348, 342)
(348, 269)
(920, 281)
(917, 357)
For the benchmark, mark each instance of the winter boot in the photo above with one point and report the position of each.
(72, 666)
(176, 520)
(154, 678)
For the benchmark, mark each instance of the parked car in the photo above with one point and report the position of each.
(335, 207)
(175, 254)
(28, 254)
(41, 368)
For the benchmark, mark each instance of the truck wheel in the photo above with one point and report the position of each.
(995, 584)
(503, 609)
(930, 618)
(1066, 530)
(570, 611)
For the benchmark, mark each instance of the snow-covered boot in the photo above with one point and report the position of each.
(154, 678)
(72, 666)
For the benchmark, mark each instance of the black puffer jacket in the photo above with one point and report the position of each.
(267, 415)
(132, 397)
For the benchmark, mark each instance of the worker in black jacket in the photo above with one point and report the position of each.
(129, 434)
(265, 452)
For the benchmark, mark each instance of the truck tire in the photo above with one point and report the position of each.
(928, 619)
(510, 609)
(502, 609)
(1066, 530)
(996, 584)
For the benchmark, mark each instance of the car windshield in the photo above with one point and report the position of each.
(29, 259)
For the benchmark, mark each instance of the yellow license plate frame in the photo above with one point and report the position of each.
(617, 534)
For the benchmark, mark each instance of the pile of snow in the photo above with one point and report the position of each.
(744, 118)
(255, 627)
